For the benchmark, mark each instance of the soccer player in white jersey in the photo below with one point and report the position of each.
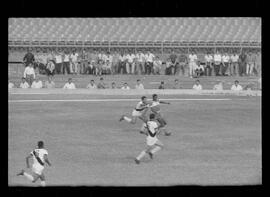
(139, 112)
(40, 157)
(152, 142)
(155, 108)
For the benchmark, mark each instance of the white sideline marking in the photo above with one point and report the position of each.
(112, 100)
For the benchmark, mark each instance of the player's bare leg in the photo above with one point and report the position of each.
(33, 178)
(158, 146)
(42, 180)
(132, 120)
(163, 123)
(142, 154)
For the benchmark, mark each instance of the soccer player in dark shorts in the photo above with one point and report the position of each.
(155, 109)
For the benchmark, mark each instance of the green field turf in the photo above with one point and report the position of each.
(214, 142)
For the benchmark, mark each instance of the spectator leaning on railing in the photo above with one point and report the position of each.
(139, 85)
(29, 73)
(197, 85)
(69, 84)
(37, 84)
(24, 84)
(242, 63)
(49, 84)
(236, 86)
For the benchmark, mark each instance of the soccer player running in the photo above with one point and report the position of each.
(139, 112)
(39, 156)
(155, 108)
(152, 142)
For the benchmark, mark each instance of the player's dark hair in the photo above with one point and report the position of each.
(154, 95)
(138, 80)
(143, 97)
(40, 144)
(101, 78)
(152, 116)
(236, 81)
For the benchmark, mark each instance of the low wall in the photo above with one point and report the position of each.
(135, 92)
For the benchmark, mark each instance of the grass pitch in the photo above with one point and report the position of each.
(213, 142)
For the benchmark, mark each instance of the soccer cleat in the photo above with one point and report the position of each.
(137, 161)
(151, 155)
(122, 118)
(20, 173)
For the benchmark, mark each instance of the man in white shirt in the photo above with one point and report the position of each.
(74, 62)
(10, 85)
(49, 84)
(58, 61)
(236, 86)
(125, 87)
(234, 69)
(91, 85)
(217, 63)
(192, 63)
(37, 84)
(209, 64)
(24, 84)
(66, 64)
(141, 62)
(197, 85)
(149, 62)
(29, 73)
(139, 85)
(69, 85)
(218, 86)
(225, 64)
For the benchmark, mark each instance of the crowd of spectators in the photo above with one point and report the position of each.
(38, 84)
(144, 62)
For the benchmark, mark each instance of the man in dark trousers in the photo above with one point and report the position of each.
(173, 58)
(29, 57)
(242, 63)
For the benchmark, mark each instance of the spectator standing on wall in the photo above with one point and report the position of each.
(74, 62)
(122, 65)
(149, 62)
(84, 62)
(209, 64)
(183, 66)
(174, 67)
(192, 63)
(258, 63)
(234, 65)
(66, 64)
(242, 63)
(225, 64)
(29, 57)
(217, 63)
(59, 61)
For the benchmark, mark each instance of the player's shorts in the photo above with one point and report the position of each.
(37, 168)
(160, 119)
(150, 141)
(136, 113)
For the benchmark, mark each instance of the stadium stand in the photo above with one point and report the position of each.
(139, 31)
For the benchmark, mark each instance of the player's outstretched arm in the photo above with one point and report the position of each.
(163, 102)
(47, 160)
(27, 161)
